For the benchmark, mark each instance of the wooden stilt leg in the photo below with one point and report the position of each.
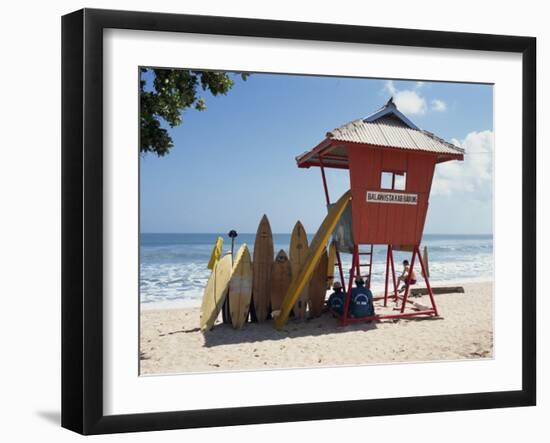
(347, 301)
(387, 276)
(393, 274)
(341, 270)
(427, 280)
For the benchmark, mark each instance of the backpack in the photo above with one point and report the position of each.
(361, 305)
(336, 302)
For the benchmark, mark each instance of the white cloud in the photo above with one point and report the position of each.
(390, 87)
(474, 174)
(411, 101)
(407, 101)
(438, 105)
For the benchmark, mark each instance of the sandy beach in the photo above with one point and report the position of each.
(171, 341)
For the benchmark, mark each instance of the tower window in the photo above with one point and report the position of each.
(394, 181)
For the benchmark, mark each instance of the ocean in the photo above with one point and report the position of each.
(173, 267)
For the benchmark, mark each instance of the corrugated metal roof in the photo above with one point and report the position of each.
(386, 128)
(388, 134)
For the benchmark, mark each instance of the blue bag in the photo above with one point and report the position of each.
(336, 302)
(362, 303)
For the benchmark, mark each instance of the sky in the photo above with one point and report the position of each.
(235, 161)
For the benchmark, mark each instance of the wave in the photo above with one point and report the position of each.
(173, 271)
(164, 282)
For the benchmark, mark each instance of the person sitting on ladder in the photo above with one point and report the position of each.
(404, 276)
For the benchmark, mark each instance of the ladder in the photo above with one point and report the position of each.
(368, 264)
(338, 264)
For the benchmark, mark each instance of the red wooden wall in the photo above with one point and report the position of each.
(385, 223)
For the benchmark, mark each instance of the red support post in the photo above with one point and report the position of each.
(327, 198)
(370, 264)
(425, 275)
(387, 276)
(355, 258)
(429, 313)
(406, 295)
(324, 180)
(341, 270)
(393, 273)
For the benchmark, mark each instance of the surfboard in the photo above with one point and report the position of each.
(298, 254)
(261, 268)
(331, 264)
(318, 243)
(240, 287)
(216, 253)
(318, 287)
(280, 280)
(215, 292)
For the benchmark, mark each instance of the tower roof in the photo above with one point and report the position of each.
(386, 128)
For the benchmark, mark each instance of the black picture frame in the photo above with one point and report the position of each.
(82, 218)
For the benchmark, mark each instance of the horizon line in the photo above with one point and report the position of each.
(308, 233)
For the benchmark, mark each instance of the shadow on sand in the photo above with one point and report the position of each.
(224, 334)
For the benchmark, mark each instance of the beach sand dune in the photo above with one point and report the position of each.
(171, 342)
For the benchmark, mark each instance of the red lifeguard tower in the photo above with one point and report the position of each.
(391, 164)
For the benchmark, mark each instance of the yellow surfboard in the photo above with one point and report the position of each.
(215, 292)
(318, 287)
(315, 250)
(240, 287)
(331, 263)
(216, 253)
